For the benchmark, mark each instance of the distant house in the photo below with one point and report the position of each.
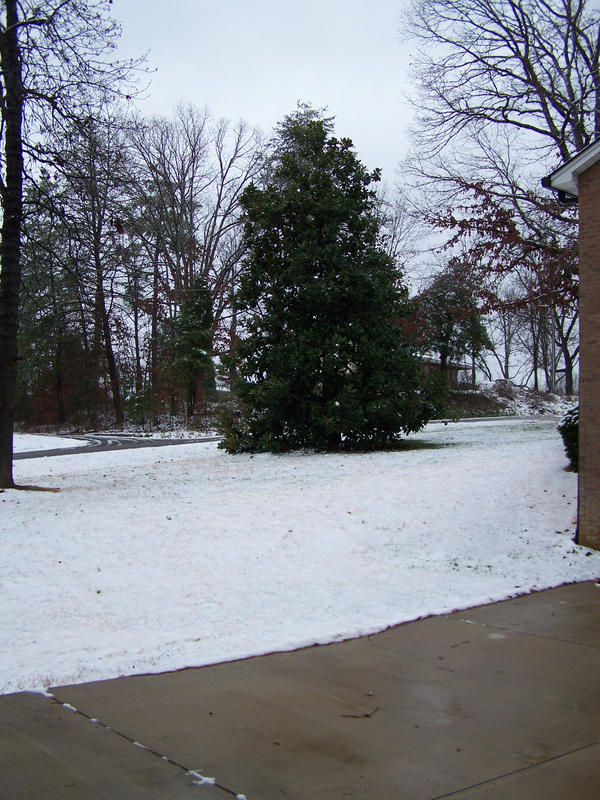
(455, 373)
(578, 181)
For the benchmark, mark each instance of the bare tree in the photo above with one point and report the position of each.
(530, 65)
(397, 228)
(174, 174)
(565, 331)
(99, 175)
(504, 326)
(12, 210)
(191, 174)
(53, 59)
(506, 89)
(238, 160)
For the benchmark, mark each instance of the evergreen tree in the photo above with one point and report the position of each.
(192, 364)
(453, 327)
(324, 363)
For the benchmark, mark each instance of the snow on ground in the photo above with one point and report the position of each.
(523, 400)
(151, 560)
(28, 442)
(174, 433)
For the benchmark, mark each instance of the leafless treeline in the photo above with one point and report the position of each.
(128, 218)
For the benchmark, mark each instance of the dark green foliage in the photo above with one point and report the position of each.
(453, 326)
(324, 363)
(569, 430)
(192, 363)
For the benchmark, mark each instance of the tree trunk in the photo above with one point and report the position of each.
(443, 353)
(60, 404)
(113, 370)
(89, 371)
(103, 323)
(191, 399)
(534, 351)
(154, 341)
(568, 371)
(139, 382)
(232, 341)
(569, 353)
(10, 248)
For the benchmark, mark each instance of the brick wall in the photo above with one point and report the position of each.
(589, 366)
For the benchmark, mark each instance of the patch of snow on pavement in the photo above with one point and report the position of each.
(152, 560)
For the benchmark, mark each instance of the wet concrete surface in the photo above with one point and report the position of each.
(498, 701)
(48, 751)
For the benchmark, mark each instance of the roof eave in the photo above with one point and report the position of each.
(565, 179)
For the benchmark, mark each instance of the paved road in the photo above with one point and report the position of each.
(98, 443)
(101, 443)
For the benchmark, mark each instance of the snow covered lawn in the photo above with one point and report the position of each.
(29, 442)
(151, 560)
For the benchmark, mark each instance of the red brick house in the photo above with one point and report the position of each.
(578, 180)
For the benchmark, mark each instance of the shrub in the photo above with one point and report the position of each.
(569, 430)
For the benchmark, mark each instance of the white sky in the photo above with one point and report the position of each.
(255, 60)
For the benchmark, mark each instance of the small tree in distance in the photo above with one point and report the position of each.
(452, 320)
(324, 363)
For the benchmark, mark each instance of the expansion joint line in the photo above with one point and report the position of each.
(529, 633)
(199, 779)
(557, 757)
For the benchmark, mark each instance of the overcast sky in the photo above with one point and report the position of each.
(254, 59)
